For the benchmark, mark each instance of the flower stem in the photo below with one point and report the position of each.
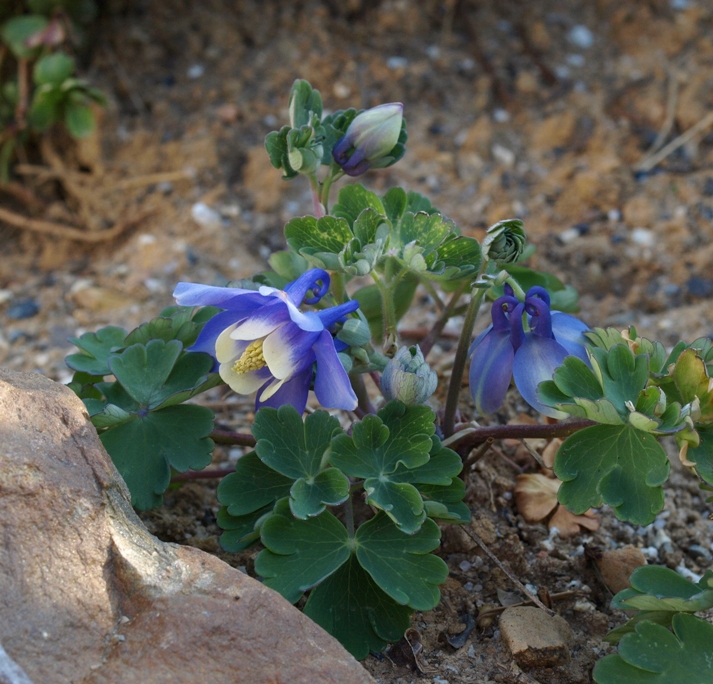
(427, 343)
(319, 210)
(432, 291)
(232, 438)
(349, 516)
(334, 174)
(359, 388)
(389, 311)
(449, 419)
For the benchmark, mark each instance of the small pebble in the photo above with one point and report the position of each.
(5, 296)
(614, 215)
(205, 216)
(698, 550)
(397, 62)
(503, 155)
(575, 60)
(27, 308)
(433, 51)
(708, 187)
(501, 115)
(688, 574)
(643, 237)
(569, 235)
(581, 36)
(195, 71)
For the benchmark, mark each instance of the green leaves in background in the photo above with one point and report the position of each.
(614, 464)
(139, 417)
(16, 31)
(300, 452)
(654, 655)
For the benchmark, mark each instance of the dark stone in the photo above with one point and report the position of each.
(708, 187)
(699, 287)
(27, 308)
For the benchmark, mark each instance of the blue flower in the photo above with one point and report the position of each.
(370, 140)
(506, 351)
(262, 341)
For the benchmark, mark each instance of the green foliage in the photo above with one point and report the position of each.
(139, 415)
(382, 568)
(654, 655)
(54, 94)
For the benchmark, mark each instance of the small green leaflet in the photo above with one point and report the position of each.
(145, 449)
(398, 434)
(97, 348)
(352, 608)
(252, 486)
(654, 655)
(241, 531)
(702, 455)
(153, 373)
(299, 452)
(300, 553)
(401, 564)
(353, 200)
(614, 464)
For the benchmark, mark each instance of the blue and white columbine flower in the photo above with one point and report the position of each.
(506, 351)
(262, 341)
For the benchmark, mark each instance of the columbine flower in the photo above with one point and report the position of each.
(408, 377)
(506, 351)
(262, 342)
(370, 140)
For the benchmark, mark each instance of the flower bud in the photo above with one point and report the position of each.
(505, 241)
(370, 140)
(408, 378)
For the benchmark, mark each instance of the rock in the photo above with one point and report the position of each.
(535, 638)
(88, 595)
(555, 131)
(616, 566)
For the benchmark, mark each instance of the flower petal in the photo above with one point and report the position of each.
(244, 383)
(287, 348)
(212, 330)
(334, 313)
(295, 392)
(331, 384)
(236, 299)
(297, 289)
(535, 361)
(261, 322)
(228, 350)
(491, 371)
(568, 332)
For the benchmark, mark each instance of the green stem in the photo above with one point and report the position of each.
(338, 287)
(334, 174)
(434, 295)
(317, 207)
(387, 297)
(427, 343)
(349, 516)
(449, 419)
(357, 381)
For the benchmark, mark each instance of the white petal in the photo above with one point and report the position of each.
(243, 383)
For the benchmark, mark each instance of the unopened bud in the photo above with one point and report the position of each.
(370, 140)
(408, 378)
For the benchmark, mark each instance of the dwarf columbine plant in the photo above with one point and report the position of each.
(346, 511)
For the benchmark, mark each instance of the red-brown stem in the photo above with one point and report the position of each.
(202, 475)
(482, 434)
(23, 91)
(232, 438)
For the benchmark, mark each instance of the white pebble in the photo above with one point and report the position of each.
(202, 214)
(501, 115)
(643, 237)
(614, 215)
(575, 60)
(503, 155)
(650, 552)
(195, 71)
(584, 607)
(569, 235)
(465, 566)
(397, 62)
(5, 296)
(688, 574)
(581, 36)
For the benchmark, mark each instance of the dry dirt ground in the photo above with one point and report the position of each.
(538, 110)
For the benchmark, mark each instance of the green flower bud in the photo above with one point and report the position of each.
(505, 241)
(408, 378)
(354, 332)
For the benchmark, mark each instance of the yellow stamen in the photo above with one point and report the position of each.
(251, 359)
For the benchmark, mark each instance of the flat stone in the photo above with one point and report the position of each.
(88, 596)
(535, 638)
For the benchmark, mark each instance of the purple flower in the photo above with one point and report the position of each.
(506, 351)
(262, 341)
(370, 140)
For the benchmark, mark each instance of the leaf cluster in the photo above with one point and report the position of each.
(55, 94)
(364, 579)
(307, 143)
(648, 650)
(139, 414)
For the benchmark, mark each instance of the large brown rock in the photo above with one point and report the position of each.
(88, 596)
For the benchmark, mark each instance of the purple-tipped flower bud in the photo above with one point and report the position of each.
(408, 378)
(370, 139)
